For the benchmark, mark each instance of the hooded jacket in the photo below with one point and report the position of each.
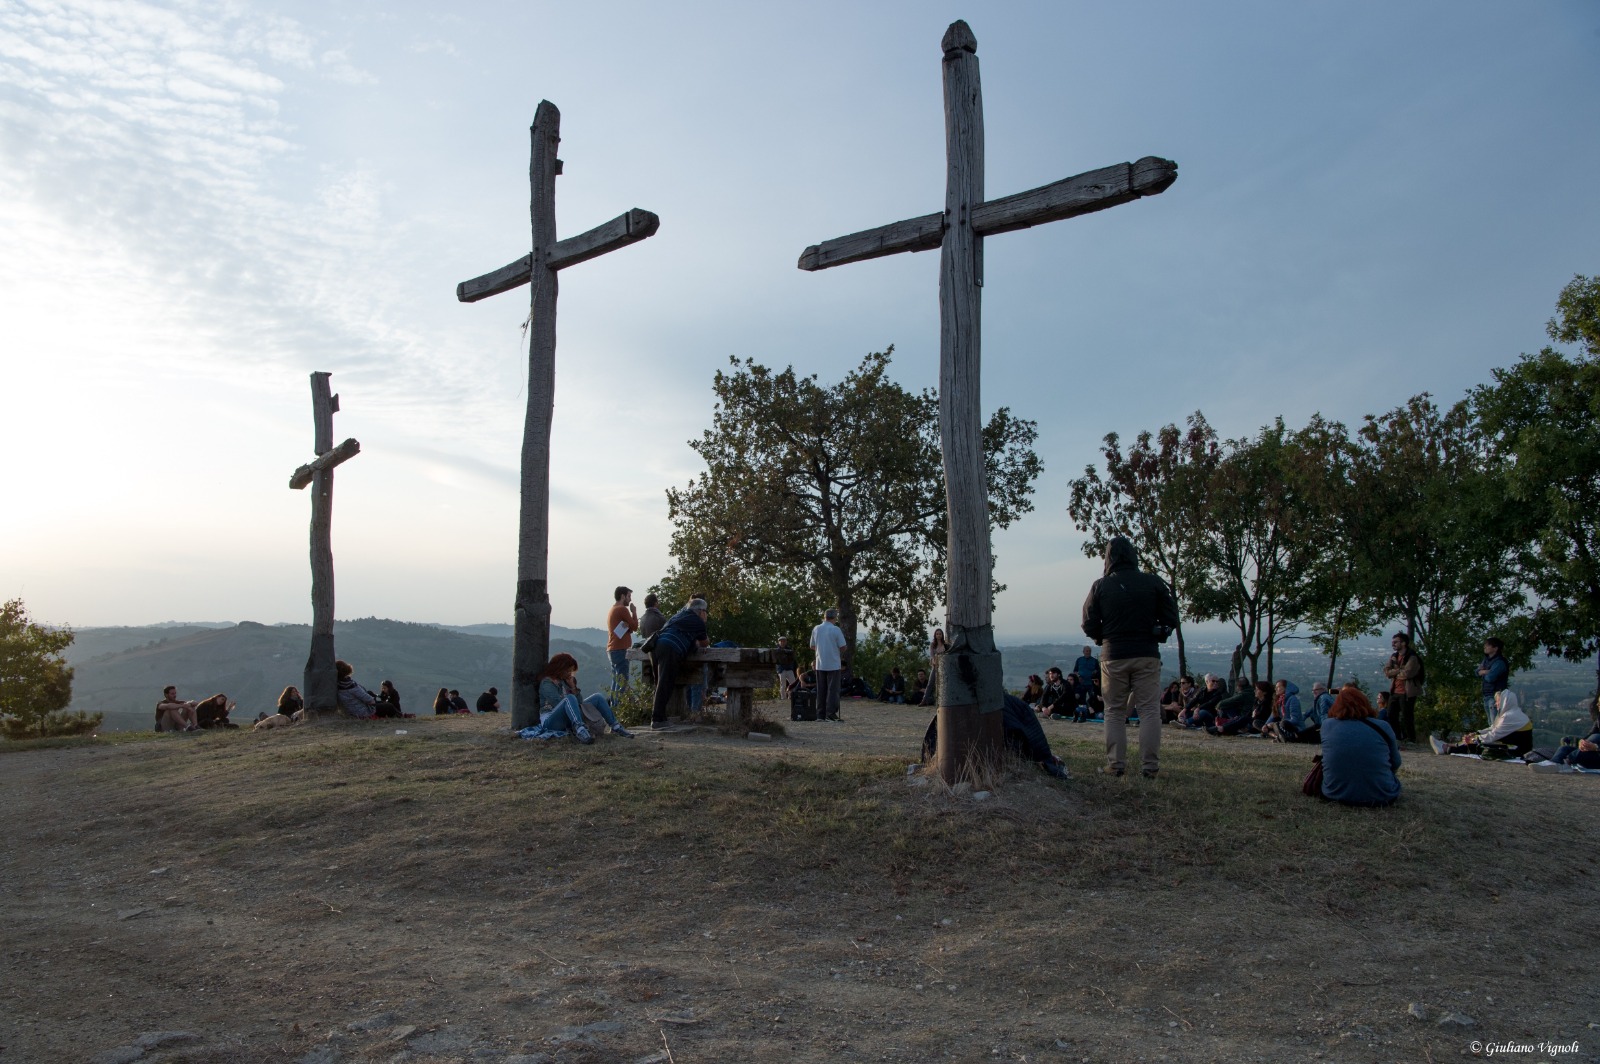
(1511, 719)
(1125, 605)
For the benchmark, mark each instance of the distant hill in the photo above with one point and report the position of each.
(121, 671)
(594, 636)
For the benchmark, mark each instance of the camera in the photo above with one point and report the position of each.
(1161, 632)
(1569, 740)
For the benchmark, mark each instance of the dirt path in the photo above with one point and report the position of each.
(453, 896)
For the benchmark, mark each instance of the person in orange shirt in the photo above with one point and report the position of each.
(621, 623)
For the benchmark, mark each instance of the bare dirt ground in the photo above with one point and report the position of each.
(340, 893)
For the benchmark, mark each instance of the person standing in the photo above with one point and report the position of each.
(1130, 614)
(1405, 684)
(621, 623)
(682, 635)
(1495, 673)
(827, 643)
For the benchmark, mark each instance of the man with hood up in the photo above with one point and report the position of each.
(1130, 614)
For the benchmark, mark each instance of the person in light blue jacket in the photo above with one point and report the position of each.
(1360, 755)
(561, 705)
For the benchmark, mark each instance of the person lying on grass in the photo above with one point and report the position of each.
(561, 704)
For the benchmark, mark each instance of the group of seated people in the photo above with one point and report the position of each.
(1270, 710)
(1065, 696)
(175, 715)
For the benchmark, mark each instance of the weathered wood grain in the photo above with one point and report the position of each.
(619, 232)
(913, 234)
(512, 275)
(339, 455)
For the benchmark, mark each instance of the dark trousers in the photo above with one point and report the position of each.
(828, 693)
(667, 659)
(1402, 716)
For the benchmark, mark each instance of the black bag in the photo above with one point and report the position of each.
(1311, 786)
(803, 704)
(649, 645)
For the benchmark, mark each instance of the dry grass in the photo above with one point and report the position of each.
(792, 900)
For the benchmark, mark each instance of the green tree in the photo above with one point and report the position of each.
(1542, 421)
(1442, 560)
(35, 681)
(836, 489)
(1151, 494)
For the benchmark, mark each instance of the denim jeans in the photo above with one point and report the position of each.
(568, 714)
(619, 669)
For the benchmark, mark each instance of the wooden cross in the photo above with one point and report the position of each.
(531, 639)
(321, 685)
(970, 691)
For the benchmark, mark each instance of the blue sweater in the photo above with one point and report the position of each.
(1359, 759)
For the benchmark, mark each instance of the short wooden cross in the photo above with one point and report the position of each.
(970, 691)
(321, 685)
(531, 634)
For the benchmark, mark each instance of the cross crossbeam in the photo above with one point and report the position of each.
(1070, 197)
(338, 456)
(619, 232)
(970, 693)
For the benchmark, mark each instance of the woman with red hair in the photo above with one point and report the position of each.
(561, 704)
(1359, 753)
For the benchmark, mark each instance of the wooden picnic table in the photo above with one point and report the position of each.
(742, 670)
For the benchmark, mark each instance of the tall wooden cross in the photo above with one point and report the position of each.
(970, 692)
(321, 685)
(531, 639)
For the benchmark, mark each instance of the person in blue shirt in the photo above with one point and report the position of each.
(1086, 667)
(685, 633)
(1360, 755)
(1495, 673)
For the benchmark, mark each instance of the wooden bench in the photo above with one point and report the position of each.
(742, 670)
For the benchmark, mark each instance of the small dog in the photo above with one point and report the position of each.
(278, 720)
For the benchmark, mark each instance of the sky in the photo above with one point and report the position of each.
(203, 202)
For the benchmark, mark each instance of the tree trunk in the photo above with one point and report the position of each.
(1183, 655)
(320, 682)
(530, 647)
(970, 691)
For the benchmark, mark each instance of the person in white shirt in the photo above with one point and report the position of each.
(827, 642)
(1511, 734)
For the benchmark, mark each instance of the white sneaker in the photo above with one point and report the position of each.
(1439, 747)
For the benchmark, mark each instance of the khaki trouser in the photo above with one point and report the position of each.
(1135, 683)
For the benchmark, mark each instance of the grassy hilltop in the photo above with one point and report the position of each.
(338, 893)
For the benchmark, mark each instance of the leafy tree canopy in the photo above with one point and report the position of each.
(832, 493)
(35, 681)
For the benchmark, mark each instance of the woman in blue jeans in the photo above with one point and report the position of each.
(561, 704)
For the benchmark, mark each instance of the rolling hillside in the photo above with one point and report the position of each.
(121, 671)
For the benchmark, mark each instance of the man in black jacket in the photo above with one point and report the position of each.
(1130, 614)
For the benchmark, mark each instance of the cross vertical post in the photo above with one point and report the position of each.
(320, 685)
(530, 644)
(970, 692)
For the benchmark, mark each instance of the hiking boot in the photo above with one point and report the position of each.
(1110, 770)
(662, 726)
(1439, 747)
(1059, 716)
(583, 735)
(835, 720)
(624, 732)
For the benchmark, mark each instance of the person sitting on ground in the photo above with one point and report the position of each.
(489, 701)
(1033, 692)
(1058, 701)
(1201, 710)
(1360, 754)
(441, 703)
(1311, 724)
(1171, 702)
(1383, 707)
(457, 703)
(893, 688)
(1234, 713)
(290, 702)
(388, 701)
(354, 699)
(918, 689)
(1285, 708)
(213, 712)
(1292, 722)
(1023, 736)
(1583, 753)
(1093, 707)
(562, 707)
(174, 715)
(1511, 734)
